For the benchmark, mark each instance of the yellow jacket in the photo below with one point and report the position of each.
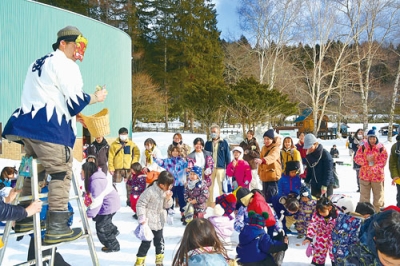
(290, 155)
(122, 155)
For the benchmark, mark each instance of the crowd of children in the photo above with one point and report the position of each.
(262, 218)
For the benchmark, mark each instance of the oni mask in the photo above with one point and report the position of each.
(81, 44)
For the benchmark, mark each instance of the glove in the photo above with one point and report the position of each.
(207, 171)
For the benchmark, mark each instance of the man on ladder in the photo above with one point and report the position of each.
(45, 124)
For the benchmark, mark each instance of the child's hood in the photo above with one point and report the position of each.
(249, 233)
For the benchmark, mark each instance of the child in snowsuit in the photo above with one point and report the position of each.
(196, 192)
(306, 209)
(320, 227)
(255, 245)
(239, 170)
(137, 183)
(176, 165)
(104, 204)
(151, 208)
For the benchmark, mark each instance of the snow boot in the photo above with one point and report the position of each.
(57, 229)
(159, 259)
(140, 261)
(26, 225)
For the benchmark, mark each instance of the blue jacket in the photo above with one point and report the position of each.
(288, 184)
(105, 199)
(10, 212)
(223, 153)
(176, 166)
(207, 259)
(256, 245)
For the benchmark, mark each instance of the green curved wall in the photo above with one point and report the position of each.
(27, 31)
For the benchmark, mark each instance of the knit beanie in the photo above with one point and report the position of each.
(269, 133)
(292, 166)
(227, 202)
(241, 192)
(197, 170)
(305, 192)
(309, 140)
(371, 133)
(257, 219)
(69, 33)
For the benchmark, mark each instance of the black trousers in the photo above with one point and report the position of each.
(158, 241)
(316, 190)
(58, 259)
(106, 231)
(270, 190)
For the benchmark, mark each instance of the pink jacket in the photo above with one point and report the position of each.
(374, 173)
(242, 172)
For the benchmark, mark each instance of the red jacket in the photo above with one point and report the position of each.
(259, 205)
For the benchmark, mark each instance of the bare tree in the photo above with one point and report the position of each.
(393, 104)
(271, 25)
(371, 23)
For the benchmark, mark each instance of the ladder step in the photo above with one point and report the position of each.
(45, 247)
(33, 262)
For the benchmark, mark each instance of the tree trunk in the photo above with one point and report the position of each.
(394, 97)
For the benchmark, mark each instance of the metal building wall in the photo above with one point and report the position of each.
(27, 31)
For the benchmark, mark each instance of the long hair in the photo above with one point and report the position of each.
(150, 141)
(89, 169)
(198, 233)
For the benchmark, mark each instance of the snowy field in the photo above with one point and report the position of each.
(77, 253)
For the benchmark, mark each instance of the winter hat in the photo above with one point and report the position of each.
(371, 133)
(239, 149)
(269, 133)
(92, 157)
(344, 203)
(291, 166)
(309, 140)
(227, 202)
(69, 33)
(216, 211)
(122, 130)
(305, 192)
(241, 193)
(197, 170)
(257, 219)
(392, 207)
(365, 208)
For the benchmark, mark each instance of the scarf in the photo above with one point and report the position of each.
(314, 157)
(192, 183)
(149, 156)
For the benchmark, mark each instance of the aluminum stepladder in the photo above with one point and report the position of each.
(36, 222)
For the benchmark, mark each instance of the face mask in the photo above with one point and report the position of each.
(359, 136)
(214, 135)
(123, 137)
(81, 44)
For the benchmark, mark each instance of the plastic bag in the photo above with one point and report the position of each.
(227, 185)
(310, 250)
(170, 217)
(189, 212)
(143, 232)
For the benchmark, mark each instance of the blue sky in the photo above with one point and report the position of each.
(228, 19)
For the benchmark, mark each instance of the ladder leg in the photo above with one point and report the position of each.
(36, 218)
(85, 222)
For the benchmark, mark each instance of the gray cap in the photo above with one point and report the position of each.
(69, 33)
(309, 140)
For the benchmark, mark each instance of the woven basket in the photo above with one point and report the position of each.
(98, 124)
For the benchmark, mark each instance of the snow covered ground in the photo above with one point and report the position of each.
(77, 253)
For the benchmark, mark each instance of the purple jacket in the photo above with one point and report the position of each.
(105, 199)
(200, 193)
(138, 184)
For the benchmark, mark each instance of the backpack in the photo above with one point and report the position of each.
(345, 235)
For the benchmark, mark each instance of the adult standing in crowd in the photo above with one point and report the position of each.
(122, 154)
(251, 151)
(303, 153)
(221, 154)
(100, 148)
(269, 164)
(394, 166)
(372, 157)
(320, 167)
(201, 158)
(45, 124)
(177, 142)
(358, 141)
